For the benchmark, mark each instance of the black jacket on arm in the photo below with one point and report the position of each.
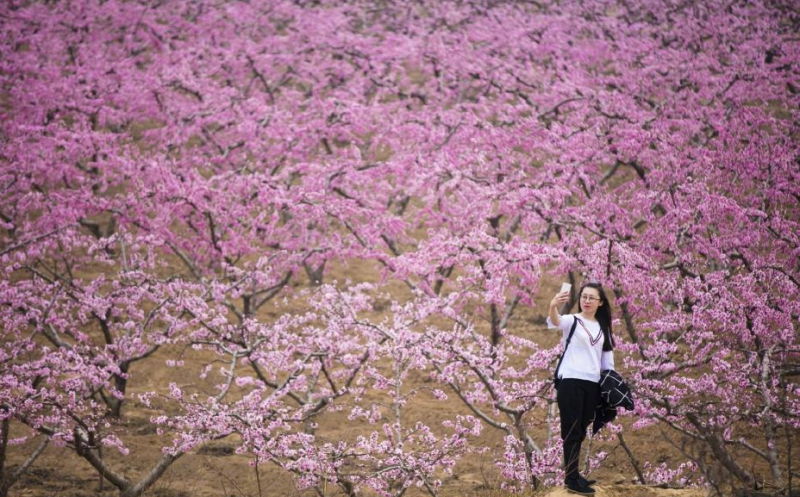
(614, 393)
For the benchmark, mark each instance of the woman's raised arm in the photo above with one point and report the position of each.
(559, 300)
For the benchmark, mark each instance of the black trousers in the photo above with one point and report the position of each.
(577, 400)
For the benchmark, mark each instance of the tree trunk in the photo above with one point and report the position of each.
(3, 445)
(721, 454)
(316, 274)
(138, 489)
(121, 384)
(7, 479)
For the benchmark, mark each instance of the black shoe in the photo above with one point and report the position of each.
(583, 481)
(577, 487)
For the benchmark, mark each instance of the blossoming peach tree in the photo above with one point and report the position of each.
(178, 179)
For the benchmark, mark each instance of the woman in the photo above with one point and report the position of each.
(590, 351)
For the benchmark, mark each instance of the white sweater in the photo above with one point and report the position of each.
(585, 357)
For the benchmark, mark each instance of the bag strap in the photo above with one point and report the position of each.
(569, 337)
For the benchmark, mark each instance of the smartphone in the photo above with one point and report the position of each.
(565, 287)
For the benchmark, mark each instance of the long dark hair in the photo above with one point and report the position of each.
(603, 314)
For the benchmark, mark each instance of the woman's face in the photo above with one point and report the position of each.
(590, 299)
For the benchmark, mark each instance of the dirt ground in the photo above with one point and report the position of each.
(631, 491)
(217, 472)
